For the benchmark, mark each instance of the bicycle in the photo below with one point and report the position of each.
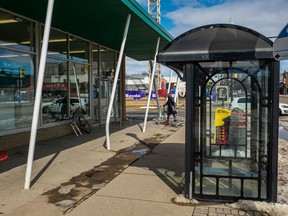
(79, 123)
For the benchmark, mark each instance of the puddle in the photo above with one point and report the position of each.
(141, 151)
(65, 203)
(66, 189)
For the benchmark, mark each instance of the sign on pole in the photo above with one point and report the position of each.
(280, 46)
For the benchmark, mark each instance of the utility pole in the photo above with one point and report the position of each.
(154, 11)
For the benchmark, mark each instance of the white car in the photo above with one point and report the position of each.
(283, 109)
(240, 103)
(55, 106)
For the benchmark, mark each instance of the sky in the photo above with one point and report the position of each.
(267, 17)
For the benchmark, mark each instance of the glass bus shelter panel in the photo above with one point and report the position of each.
(229, 107)
(228, 121)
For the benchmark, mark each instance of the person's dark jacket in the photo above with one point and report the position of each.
(170, 103)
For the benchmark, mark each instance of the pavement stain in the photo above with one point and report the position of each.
(81, 187)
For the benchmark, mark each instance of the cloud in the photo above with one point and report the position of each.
(196, 3)
(136, 67)
(265, 16)
(140, 67)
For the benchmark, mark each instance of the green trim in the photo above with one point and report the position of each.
(144, 15)
(100, 21)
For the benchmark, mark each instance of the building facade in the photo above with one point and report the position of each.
(86, 50)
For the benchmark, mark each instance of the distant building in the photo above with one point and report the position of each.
(137, 82)
(142, 83)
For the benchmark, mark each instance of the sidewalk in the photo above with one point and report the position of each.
(78, 176)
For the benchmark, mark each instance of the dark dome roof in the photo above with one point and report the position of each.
(217, 42)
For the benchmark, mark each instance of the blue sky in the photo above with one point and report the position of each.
(267, 17)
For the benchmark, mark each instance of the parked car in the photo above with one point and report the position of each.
(55, 106)
(239, 103)
(283, 109)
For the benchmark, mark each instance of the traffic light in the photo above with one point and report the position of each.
(21, 73)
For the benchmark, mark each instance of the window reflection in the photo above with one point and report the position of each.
(79, 85)
(66, 75)
(16, 90)
(95, 84)
(54, 90)
(57, 45)
(107, 62)
(79, 73)
(16, 32)
(79, 50)
(16, 72)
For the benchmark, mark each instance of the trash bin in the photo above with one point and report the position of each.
(237, 129)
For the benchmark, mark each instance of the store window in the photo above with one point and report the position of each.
(55, 85)
(58, 45)
(107, 71)
(79, 50)
(79, 74)
(16, 32)
(95, 84)
(55, 88)
(17, 72)
(107, 62)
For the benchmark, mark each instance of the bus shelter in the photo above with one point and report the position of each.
(231, 142)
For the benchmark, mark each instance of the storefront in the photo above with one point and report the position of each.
(67, 73)
(80, 66)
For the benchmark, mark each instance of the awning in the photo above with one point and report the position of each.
(101, 21)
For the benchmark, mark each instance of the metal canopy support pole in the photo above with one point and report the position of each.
(157, 97)
(77, 84)
(115, 82)
(156, 90)
(176, 91)
(151, 84)
(169, 82)
(39, 87)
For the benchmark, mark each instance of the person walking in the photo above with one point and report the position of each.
(64, 107)
(171, 108)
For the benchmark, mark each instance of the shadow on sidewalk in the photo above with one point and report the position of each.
(18, 156)
(166, 161)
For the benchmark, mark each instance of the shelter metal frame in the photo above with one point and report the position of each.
(210, 176)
